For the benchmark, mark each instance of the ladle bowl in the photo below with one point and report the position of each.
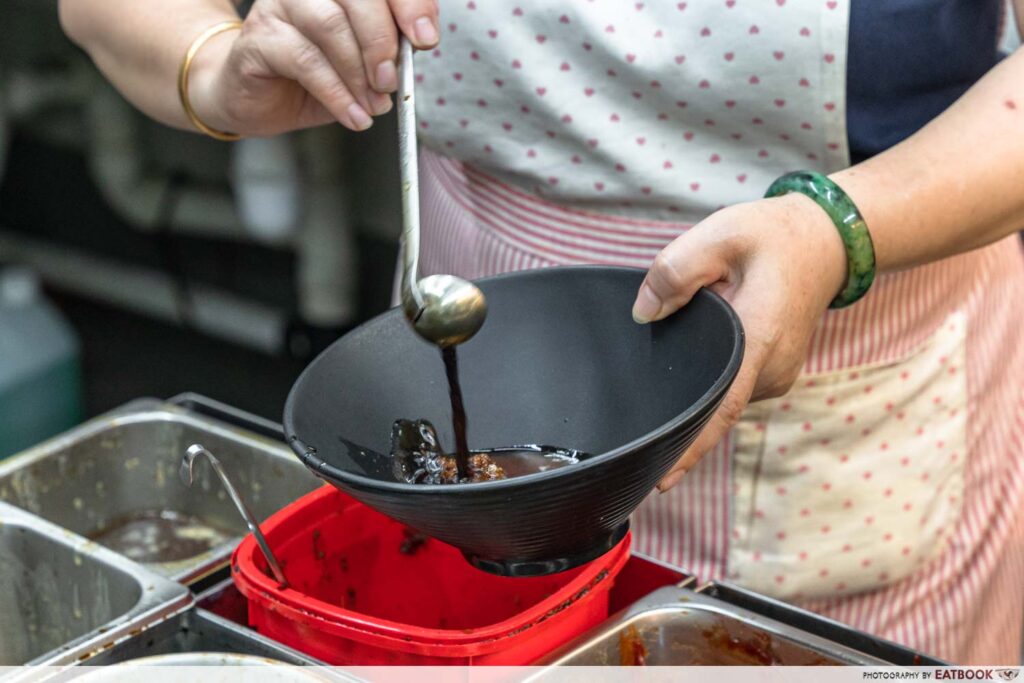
(561, 363)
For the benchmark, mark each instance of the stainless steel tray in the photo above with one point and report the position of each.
(115, 479)
(681, 627)
(256, 668)
(200, 631)
(64, 598)
(201, 638)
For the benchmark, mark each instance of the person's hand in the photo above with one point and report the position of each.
(302, 63)
(779, 262)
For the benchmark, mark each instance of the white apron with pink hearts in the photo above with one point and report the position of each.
(885, 489)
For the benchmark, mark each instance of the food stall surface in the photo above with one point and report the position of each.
(117, 610)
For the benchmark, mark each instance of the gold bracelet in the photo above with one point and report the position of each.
(186, 64)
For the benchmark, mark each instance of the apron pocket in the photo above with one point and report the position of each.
(854, 479)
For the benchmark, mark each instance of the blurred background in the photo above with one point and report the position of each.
(136, 260)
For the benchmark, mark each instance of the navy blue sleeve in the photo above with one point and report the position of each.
(908, 60)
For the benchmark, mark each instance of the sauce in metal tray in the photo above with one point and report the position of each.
(157, 536)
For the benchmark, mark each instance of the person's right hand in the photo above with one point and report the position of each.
(302, 63)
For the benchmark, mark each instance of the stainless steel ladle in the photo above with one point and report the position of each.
(443, 309)
(193, 452)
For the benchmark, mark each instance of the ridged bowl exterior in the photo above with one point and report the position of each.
(559, 362)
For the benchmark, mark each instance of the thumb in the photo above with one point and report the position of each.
(678, 271)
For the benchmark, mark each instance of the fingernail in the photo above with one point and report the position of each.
(360, 119)
(387, 76)
(426, 32)
(647, 305)
(381, 103)
(668, 482)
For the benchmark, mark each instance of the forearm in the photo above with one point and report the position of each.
(956, 185)
(139, 46)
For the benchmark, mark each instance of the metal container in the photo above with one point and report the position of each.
(115, 480)
(681, 627)
(64, 598)
(200, 631)
(269, 669)
(834, 631)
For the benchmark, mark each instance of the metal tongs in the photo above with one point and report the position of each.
(193, 452)
(443, 309)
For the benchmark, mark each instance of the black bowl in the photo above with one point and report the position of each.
(559, 362)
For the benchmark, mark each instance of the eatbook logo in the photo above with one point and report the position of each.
(953, 674)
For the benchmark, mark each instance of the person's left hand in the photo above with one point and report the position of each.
(779, 262)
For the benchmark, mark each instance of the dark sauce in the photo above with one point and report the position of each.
(157, 536)
(757, 649)
(632, 651)
(717, 645)
(417, 458)
(412, 541)
(725, 646)
(451, 369)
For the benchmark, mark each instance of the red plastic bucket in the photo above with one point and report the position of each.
(361, 593)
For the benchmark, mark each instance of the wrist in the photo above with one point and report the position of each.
(848, 222)
(205, 82)
(815, 236)
(866, 189)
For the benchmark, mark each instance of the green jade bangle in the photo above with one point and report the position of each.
(860, 252)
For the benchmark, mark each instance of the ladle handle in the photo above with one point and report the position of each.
(193, 452)
(408, 162)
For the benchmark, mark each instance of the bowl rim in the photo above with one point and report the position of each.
(308, 454)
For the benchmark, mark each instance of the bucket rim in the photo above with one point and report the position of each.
(596, 577)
